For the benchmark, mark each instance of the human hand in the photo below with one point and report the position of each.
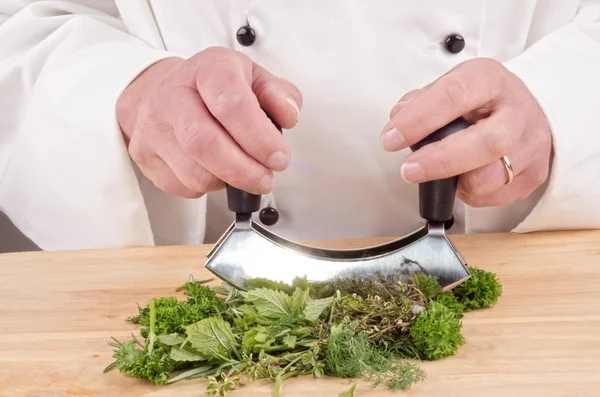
(506, 121)
(191, 125)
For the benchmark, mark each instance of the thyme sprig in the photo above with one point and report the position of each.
(375, 329)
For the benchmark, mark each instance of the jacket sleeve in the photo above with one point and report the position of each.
(562, 70)
(66, 179)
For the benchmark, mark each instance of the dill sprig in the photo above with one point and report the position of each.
(375, 328)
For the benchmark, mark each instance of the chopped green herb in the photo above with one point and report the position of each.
(174, 315)
(436, 333)
(450, 300)
(349, 392)
(374, 328)
(481, 290)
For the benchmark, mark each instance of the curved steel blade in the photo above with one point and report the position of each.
(248, 251)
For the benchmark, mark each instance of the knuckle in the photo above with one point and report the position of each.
(200, 179)
(165, 183)
(228, 104)
(498, 141)
(124, 106)
(489, 65)
(198, 139)
(145, 115)
(545, 139)
(473, 184)
(471, 201)
(521, 195)
(204, 180)
(138, 154)
(242, 177)
(208, 186)
(460, 90)
(212, 52)
(163, 90)
(442, 159)
(495, 74)
(410, 95)
(135, 153)
(539, 177)
(173, 186)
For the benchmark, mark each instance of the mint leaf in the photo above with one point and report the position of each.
(185, 354)
(299, 301)
(290, 341)
(269, 303)
(315, 308)
(171, 339)
(256, 339)
(212, 338)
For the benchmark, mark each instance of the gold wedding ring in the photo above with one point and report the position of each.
(509, 169)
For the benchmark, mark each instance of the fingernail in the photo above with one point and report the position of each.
(293, 104)
(278, 161)
(412, 172)
(266, 184)
(392, 139)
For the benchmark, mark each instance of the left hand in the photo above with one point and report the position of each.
(506, 121)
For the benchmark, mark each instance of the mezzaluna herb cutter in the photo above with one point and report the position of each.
(247, 252)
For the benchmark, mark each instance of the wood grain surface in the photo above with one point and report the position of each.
(58, 311)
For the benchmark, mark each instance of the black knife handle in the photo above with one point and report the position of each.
(241, 202)
(436, 198)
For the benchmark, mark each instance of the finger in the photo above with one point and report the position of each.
(405, 99)
(159, 173)
(518, 190)
(487, 179)
(493, 176)
(153, 147)
(225, 85)
(451, 96)
(206, 142)
(141, 150)
(189, 172)
(278, 97)
(466, 150)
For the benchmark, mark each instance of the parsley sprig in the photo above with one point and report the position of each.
(376, 330)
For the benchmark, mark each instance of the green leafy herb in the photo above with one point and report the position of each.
(374, 328)
(436, 333)
(315, 308)
(174, 315)
(220, 387)
(450, 300)
(273, 304)
(481, 290)
(427, 284)
(352, 354)
(349, 392)
(212, 338)
(148, 361)
(278, 384)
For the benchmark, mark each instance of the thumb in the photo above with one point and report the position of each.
(278, 97)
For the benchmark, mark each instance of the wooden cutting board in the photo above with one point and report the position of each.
(58, 311)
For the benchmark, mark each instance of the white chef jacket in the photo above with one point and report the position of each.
(67, 182)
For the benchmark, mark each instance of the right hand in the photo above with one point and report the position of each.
(191, 125)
